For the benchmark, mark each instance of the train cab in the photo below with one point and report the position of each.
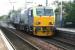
(43, 21)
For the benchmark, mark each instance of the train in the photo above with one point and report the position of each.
(38, 20)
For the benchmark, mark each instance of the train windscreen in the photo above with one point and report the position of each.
(40, 11)
(44, 12)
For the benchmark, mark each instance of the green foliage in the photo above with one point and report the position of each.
(70, 11)
(68, 14)
(3, 17)
(70, 17)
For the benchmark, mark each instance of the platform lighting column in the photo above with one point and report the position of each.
(61, 15)
(13, 4)
(27, 3)
(46, 2)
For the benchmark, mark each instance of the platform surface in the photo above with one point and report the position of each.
(66, 29)
(4, 43)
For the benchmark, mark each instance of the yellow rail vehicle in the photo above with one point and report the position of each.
(43, 21)
(38, 20)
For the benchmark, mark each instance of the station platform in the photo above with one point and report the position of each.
(4, 43)
(66, 29)
(67, 33)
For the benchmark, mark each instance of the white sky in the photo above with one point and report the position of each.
(5, 6)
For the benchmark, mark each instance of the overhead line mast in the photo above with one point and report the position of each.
(46, 2)
(12, 3)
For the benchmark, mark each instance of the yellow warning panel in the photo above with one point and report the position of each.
(43, 21)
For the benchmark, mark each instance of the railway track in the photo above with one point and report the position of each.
(35, 42)
(59, 43)
(69, 45)
(43, 43)
(16, 42)
(68, 41)
(66, 34)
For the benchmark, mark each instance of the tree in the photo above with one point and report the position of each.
(3, 17)
(68, 14)
(70, 17)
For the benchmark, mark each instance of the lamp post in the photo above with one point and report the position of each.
(46, 2)
(12, 3)
(61, 15)
(27, 2)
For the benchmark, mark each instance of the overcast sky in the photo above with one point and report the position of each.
(6, 6)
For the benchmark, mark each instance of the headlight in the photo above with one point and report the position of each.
(38, 23)
(50, 23)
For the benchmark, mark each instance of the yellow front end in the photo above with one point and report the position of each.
(43, 25)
